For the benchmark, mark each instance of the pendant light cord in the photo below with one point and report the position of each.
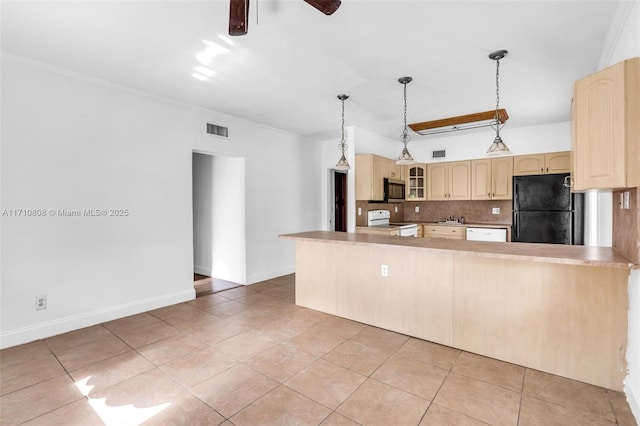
(497, 96)
(405, 133)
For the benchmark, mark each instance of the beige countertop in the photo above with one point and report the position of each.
(550, 253)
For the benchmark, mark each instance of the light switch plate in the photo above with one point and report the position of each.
(625, 201)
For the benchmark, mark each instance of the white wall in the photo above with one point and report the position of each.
(219, 244)
(70, 142)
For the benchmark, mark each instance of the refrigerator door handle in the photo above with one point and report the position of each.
(516, 201)
(516, 224)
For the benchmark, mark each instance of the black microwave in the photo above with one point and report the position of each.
(393, 190)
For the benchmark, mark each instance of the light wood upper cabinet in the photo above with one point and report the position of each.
(491, 179)
(606, 128)
(539, 164)
(370, 171)
(449, 181)
(416, 178)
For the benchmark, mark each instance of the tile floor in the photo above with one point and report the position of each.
(250, 356)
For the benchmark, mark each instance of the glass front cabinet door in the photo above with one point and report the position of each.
(416, 175)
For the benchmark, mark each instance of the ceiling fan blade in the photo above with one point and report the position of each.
(238, 17)
(325, 6)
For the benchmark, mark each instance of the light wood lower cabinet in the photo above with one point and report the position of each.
(445, 232)
(564, 319)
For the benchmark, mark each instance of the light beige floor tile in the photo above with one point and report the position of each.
(171, 348)
(214, 333)
(357, 357)
(133, 321)
(76, 338)
(568, 393)
(490, 370)
(141, 336)
(278, 292)
(375, 403)
(227, 309)
(236, 388)
(23, 353)
(150, 397)
(316, 342)
(111, 371)
(179, 310)
(534, 412)
(336, 419)
(411, 376)
(19, 406)
(430, 353)
(256, 299)
(281, 406)
(282, 328)
(310, 316)
(252, 318)
(378, 338)
(186, 410)
(438, 415)
(92, 352)
(482, 401)
(29, 373)
(621, 409)
(326, 383)
(340, 327)
(238, 292)
(281, 362)
(208, 301)
(200, 320)
(245, 345)
(76, 413)
(199, 366)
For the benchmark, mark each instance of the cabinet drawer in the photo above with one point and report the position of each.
(448, 232)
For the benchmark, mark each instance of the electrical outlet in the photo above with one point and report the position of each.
(384, 270)
(495, 210)
(359, 211)
(41, 302)
(417, 209)
(396, 209)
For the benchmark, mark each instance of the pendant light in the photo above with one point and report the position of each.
(405, 157)
(343, 164)
(498, 146)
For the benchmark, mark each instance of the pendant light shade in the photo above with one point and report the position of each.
(405, 157)
(498, 146)
(343, 164)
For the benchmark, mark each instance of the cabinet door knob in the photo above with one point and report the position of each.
(542, 170)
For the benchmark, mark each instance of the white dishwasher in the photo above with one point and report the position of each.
(487, 234)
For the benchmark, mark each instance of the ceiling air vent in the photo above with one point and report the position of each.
(439, 154)
(214, 129)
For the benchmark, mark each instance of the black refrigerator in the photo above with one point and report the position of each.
(545, 210)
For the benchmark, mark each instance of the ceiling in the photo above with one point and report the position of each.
(288, 70)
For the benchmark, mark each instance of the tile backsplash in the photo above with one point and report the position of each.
(434, 211)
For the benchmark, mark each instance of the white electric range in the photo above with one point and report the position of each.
(380, 219)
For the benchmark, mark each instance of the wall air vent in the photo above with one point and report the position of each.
(439, 154)
(214, 129)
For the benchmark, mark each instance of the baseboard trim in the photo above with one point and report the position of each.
(256, 278)
(633, 399)
(75, 322)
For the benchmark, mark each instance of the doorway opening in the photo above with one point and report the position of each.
(340, 200)
(219, 244)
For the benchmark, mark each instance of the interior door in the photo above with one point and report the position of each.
(340, 189)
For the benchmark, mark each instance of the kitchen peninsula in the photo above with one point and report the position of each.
(556, 308)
